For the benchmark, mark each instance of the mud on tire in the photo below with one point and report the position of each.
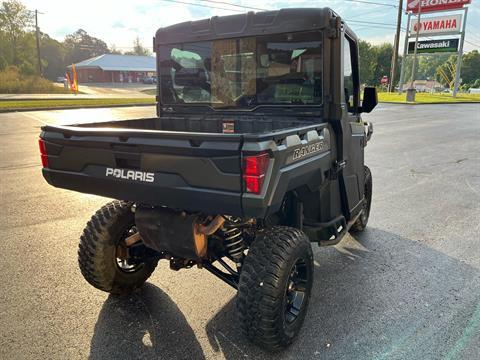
(264, 303)
(97, 252)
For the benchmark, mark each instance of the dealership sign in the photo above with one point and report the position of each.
(435, 5)
(437, 25)
(433, 46)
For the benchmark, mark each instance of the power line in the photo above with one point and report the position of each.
(471, 43)
(374, 3)
(474, 36)
(260, 9)
(369, 13)
(373, 23)
(235, 5)
(241, 6)
(201, 5)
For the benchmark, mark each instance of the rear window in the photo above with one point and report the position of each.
(283, 69)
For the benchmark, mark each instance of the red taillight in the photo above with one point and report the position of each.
(43, 153)
(254, 170)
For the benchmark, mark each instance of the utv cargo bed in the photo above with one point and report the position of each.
(194, 164)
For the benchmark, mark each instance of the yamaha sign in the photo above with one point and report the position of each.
(437, 25)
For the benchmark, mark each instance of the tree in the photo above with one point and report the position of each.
(383, 57)
(375, 62)
(428, 64)
(27, 54)
(446, 71)
(53, 57)
(138, 49)
(14, 20)
(114, 50)
(80, 46)
(367, 62)
(470, 67)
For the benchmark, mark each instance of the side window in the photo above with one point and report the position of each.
(349, 75)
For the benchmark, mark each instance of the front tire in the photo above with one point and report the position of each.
(275, 286)
(100, 246)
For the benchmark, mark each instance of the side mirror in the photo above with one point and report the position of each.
(370, 99)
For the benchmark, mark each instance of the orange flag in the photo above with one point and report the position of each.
(70, 85)
(75, 81)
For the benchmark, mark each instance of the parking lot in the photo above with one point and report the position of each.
(406, 288)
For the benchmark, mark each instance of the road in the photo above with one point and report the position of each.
(407, 288)
(91, 91)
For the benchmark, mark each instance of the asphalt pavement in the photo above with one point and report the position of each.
(91, 91)
(406, 288)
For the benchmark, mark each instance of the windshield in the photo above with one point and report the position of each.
(244, 72)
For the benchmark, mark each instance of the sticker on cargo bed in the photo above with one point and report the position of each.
(309, 149)
(130, 174)
(228, 127)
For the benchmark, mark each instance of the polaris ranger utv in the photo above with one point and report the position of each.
(257, 151)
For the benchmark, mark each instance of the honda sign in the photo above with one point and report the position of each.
(435, 5)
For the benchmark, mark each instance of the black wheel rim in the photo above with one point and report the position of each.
(296, 292)
(123, 264)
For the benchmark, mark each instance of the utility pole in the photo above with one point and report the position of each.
(411, 90)
(405, 54)
(458, 67)
(393, 67)
(37, 35)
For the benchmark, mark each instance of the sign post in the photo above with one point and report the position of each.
(460, 54)
(396, 44)
(404, 57)
(411, 90)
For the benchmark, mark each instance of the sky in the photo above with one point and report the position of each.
(119, 22)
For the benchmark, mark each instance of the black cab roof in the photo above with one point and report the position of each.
(247, 24)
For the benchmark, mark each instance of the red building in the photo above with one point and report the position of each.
(114, 68)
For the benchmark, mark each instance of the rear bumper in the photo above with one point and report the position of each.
(173, 193)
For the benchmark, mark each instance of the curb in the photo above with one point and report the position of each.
(429, 103)
(80, 97)
(73, 107)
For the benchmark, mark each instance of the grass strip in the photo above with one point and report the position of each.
(12, 105)
(428, 98)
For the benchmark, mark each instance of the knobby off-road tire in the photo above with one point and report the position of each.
(97, 252)
(362, 221)
(263, 302)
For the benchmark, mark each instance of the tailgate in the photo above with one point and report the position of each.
(190, 171)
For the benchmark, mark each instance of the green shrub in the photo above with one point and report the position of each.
(13, 82)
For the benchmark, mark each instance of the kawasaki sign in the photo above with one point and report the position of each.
(433, 46)
(435, 5)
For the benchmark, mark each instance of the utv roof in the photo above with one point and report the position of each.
(248, 24)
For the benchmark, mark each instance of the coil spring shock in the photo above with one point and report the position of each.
(233, 237)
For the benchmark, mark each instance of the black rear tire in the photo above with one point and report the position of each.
(271, 309)
(361, 223)
(99, 244)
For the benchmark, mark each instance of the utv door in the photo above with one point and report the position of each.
(353, 129)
